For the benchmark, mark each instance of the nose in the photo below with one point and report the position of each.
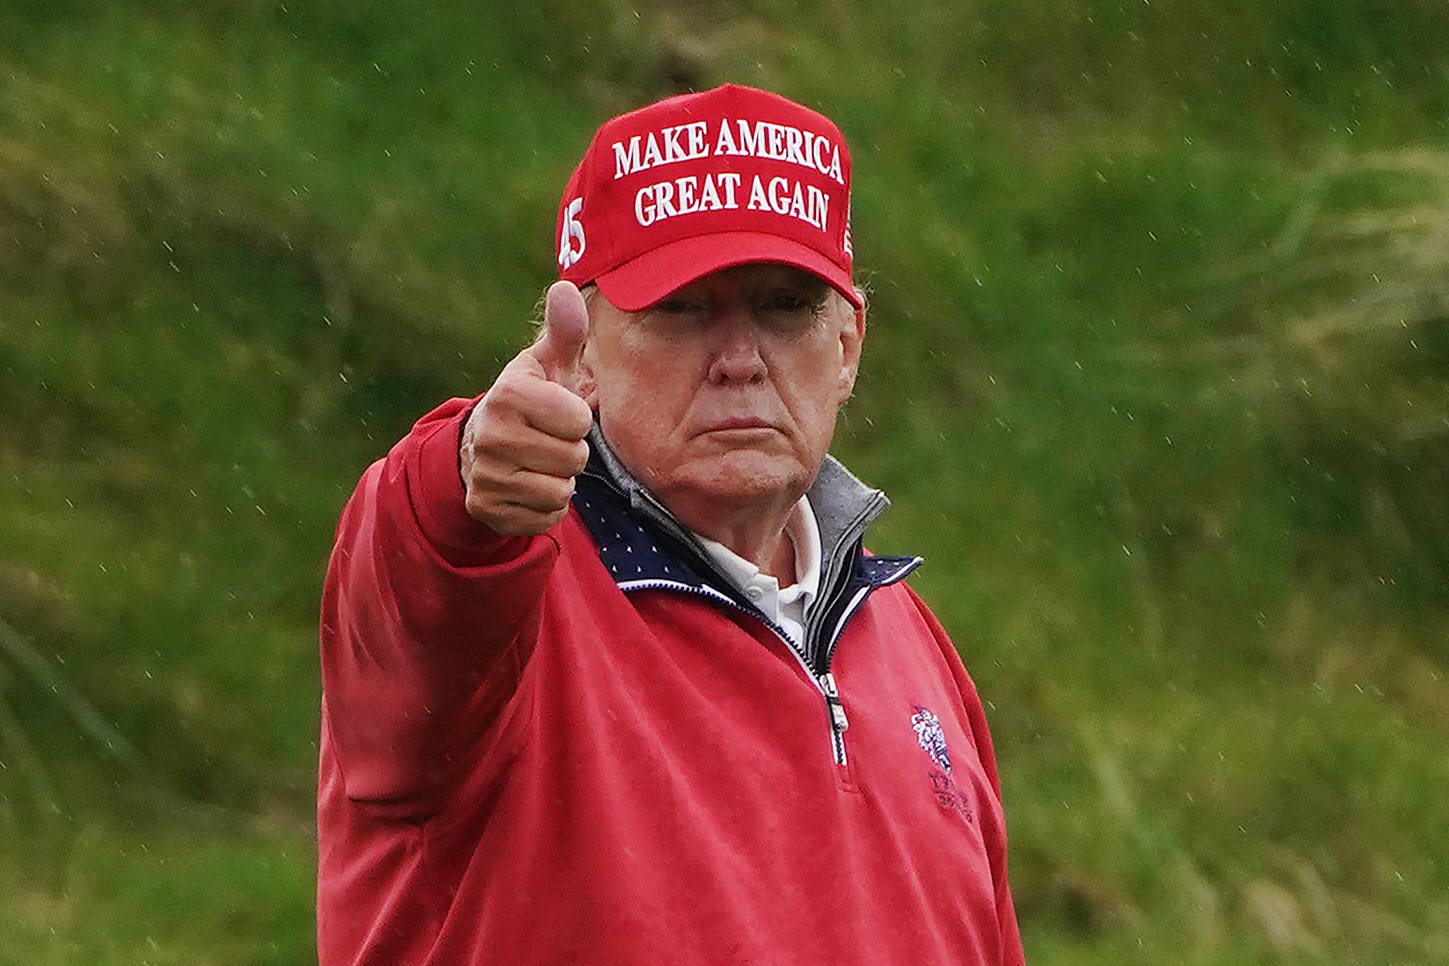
(737, 355)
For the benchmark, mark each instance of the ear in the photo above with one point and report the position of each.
(587, 386)
(852, 338)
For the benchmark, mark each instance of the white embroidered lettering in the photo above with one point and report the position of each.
(758, 201)
(685, 196)
(626, 159)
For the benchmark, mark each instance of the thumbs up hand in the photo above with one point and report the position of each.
(523, 443)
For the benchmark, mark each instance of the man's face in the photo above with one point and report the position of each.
(723, 396)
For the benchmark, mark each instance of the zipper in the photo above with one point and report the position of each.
(824, 682)
(824, 679)
(838, 721)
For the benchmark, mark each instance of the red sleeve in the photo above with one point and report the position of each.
(994, 832)
(428, 618)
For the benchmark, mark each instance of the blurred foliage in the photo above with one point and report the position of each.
(1157, 381)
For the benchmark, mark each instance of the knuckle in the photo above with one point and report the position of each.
(481, 513)
(500, 392)
(582, 413)
(509, 393)
(579, 456)
(499, 450)
(479, 509)
(554, 396)
(563, 492)
(478, 475)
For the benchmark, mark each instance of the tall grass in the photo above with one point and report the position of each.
(1156, 379)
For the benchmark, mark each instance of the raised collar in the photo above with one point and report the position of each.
(628, 522)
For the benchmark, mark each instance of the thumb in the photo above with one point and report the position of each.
(565, 326)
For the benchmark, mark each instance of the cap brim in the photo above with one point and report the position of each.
(649, 278)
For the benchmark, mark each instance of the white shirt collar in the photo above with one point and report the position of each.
(804, 535)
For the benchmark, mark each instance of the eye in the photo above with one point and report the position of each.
(790, 308)
(676, 315)
(787, 302)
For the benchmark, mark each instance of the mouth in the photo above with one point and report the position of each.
(738, 427)
(739, 424)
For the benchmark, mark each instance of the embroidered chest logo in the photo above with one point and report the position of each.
(931, 737)
(932, 740)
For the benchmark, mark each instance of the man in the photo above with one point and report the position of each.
(607, 677)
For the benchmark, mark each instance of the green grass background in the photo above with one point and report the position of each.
(1157, 377)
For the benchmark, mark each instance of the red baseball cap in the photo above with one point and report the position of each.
(699, 182)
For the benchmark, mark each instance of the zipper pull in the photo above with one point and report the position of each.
(832, 698)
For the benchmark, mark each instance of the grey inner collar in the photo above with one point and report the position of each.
(843, 506)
